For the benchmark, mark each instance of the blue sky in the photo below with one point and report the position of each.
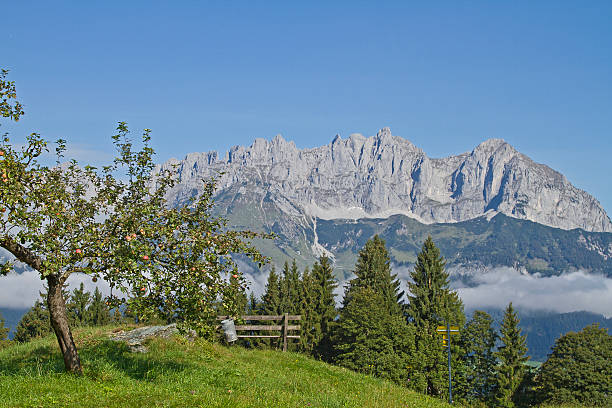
(210, 75)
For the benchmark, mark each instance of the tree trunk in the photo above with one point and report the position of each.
(59, 322)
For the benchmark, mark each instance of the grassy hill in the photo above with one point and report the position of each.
(179, 373)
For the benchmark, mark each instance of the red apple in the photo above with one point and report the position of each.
(78, 251)
(234, 276)
(146, 257)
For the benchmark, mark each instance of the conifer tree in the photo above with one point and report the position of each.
(373, 270)
(370, 340)
(371, 334)
(512, 356)
(307, 311)
(478, 340)
(35, 323)
(290, 289)
(4, 331)
(98, 312)
(254, 305)
(77, 307)
(271, 299)
(432, 304)
(324, 283)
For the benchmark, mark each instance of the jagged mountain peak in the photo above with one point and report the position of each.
(381, 175)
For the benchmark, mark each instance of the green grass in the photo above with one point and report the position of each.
(179, 373)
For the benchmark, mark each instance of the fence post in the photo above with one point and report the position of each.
(285, 329)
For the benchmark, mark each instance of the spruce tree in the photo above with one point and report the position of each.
(512, 356)
(35, 323)
(254, 307)
(373, 270)
(371, 334)
(98, 312)
(290, 288)
(77, 307)
(271, 299)
(368, 339)
(432, 304)
(323, 284)
(307, 311)
(478, 340)
(4, 331)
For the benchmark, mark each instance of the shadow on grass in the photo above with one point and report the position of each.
(102, 359)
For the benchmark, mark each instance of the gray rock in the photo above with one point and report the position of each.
(383, 175)
(135, 338)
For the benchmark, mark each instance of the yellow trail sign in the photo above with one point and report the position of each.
(453, 329)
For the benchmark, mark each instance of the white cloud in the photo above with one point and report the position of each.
(19, 291)
(575, 291)
(492, 288)
(256, 278)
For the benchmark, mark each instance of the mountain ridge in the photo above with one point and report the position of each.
(383, 175)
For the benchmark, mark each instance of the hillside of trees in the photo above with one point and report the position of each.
(500, 241)
(376, 333)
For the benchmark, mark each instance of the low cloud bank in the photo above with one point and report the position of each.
(255, 277)
(18, 291)
(489, 288)
(575, 291)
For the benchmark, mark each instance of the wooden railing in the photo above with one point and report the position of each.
(283, 328)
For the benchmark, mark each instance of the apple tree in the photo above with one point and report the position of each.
(115, 223)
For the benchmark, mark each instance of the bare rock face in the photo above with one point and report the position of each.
(382, 175)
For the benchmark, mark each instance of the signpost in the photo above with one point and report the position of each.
(446, 332)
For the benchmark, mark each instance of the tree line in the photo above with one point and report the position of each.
(84, 308)
(379, 330)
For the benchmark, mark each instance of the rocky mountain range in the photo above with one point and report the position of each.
(383, 175)
(492, 206)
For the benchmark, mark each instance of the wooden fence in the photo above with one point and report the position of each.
(283, 328)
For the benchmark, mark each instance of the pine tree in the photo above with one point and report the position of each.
(77, 306)
(4, 331)
(512, 356)
(98, 312)
(307, 311)
(432, 304)
(324, 283)
(370, 340)
(478, 340)
(35, 323)
(254, 305)
(290, 289)
(272, 298)
(371, 334)
(373, 270)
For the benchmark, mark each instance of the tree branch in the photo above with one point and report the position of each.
(22, 253)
